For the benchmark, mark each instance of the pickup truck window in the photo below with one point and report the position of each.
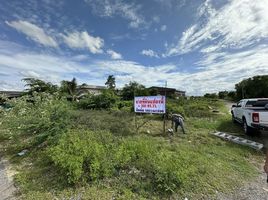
(259, 103)
(239, 104)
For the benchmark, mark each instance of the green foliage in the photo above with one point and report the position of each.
(106, 100)
(84, 153)
(110, 83)
(223, 94)
(254, 87)
(211, 95)
(195, 107)
(69, 88)
(37, 85)
(42, 116)
(150, 163)
(96, 155)
(117, 122)
(125, 106)
(132, 88)
(232, 95)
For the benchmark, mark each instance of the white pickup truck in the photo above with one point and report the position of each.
(252, 114)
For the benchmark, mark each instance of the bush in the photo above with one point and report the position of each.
(84, 153)
(41, 117)
(92, 156)
(106, 100)
(125, 105)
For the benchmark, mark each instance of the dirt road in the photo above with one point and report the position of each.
(255, 190)
(7, 188)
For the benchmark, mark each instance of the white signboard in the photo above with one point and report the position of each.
(150, 104)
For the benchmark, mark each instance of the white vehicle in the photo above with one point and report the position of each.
(252, 114)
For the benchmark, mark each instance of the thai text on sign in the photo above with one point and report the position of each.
(150, 104)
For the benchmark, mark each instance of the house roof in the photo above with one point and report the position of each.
(12, 93)
(92, 87)
(165, 89)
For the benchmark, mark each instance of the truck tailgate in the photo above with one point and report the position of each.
(263, 117)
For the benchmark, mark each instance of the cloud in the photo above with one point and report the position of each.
(111, 8)
(171, 4)
(237, 24)
(156, 19)
(163, 28)
(82, 40)
(149, 52)
(114, 55)
(218, 71)
(34, 32)
(229, 43)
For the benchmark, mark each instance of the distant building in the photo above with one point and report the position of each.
(11, 94)
(168, 91)
(90, 89)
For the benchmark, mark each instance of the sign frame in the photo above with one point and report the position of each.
(150, 104)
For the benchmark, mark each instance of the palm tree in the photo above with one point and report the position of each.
(70, 87)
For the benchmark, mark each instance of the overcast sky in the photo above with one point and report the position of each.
(195, 45)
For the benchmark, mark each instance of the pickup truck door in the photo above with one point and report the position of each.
(239, 110)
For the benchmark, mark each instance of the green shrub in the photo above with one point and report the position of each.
(92, 156)
(106, 100)
(84, 153)
(162, 168)
(125, 105)
(41, 117)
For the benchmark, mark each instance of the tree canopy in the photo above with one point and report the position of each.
(37, 85)
(110, 83)
(255, 87)
(134, 89)
(69, 87)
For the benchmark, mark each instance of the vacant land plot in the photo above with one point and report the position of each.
(113, 154)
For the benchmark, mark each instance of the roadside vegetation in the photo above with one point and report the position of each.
(98, 148)
(255, 87)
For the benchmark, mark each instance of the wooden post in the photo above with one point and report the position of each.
(135, 120)
(164, 122)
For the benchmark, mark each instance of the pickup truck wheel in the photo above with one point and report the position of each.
(247, 130)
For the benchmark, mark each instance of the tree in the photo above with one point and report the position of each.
(232, 95)
(110, 83)
(133, 89)
(223, 94)
(211, 96)
(255, 87)
(69, 87)
(37, 85)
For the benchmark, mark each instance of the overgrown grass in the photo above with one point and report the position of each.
(116, 155)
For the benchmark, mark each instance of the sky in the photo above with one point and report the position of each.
(199, 46)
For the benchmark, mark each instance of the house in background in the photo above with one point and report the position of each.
(89, 89)
(12, 94)
(168, 91)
